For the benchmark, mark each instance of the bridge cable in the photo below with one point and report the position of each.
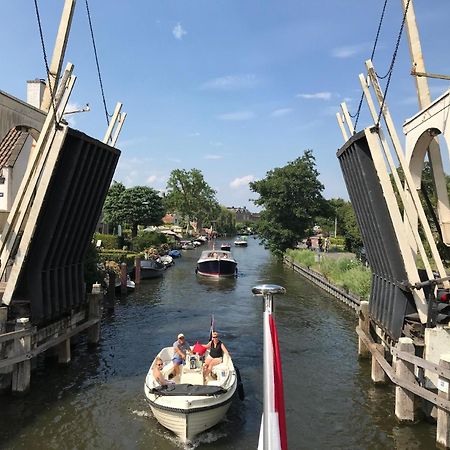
(97, 63)
(371, 57)
(391, 67)
(52, 96)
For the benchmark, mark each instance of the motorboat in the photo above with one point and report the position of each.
(151, 268)
(167, 260)
(187, 245)
(225, 246)
(174, 253)
(130, 283)
(241, 241)
(216, 263)
(191, 404)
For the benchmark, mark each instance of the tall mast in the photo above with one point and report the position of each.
(58, 53)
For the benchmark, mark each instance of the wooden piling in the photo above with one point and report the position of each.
(404, 399)
(111, 294)
(94, 313)
(364, 325)
(378, 375)
(137, 270)
(123, 278)
(63, 349)
(443, 416)
(22, 371)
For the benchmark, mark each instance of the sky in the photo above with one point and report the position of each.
(234, 88)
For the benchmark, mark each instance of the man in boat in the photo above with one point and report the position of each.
(216, 351)
(157, 374)
(180, 347)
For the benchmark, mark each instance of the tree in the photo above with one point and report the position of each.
(112, 205)
(190, 195)
(291, 197)
(225, 221)
(139, 205)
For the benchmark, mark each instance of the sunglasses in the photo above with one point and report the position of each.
(160, 364)
(215, 337)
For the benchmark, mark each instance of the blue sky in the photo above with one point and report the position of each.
(233, 88)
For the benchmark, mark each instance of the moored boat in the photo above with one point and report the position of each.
(174, 253)
(225, 246)
(151, 268)
(130, 283)
(191, 405)
(216, 263)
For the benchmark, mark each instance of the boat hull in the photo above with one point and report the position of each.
(217, 268)
(151, 269)
(186, 424)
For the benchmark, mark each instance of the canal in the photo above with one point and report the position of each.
(97, 401)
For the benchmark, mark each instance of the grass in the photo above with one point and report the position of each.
(345, 272)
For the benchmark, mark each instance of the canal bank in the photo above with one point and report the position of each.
(98, 400)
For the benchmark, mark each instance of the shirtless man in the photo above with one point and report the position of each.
(157, 375)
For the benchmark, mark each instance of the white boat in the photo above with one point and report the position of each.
(191, 405)
(241, 241)
(130, 283)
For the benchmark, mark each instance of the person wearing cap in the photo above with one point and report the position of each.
(216, 351)
(180, 347)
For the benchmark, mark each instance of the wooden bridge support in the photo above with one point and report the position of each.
(22, 371)
(404, 370)
(94, 313)
(378, 375)
(63, 350)
(443, 416)
(364, 324)
(5, 372)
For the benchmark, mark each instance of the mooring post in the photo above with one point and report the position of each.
(22, 371)
(123, 278)
(110, 296)
(63, 350)
(378, 375)
(443, 416)
(404, 370)
(137, 270)
(94, 313)
(364, 325)
(5, 372)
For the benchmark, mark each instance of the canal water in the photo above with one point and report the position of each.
(97, 401)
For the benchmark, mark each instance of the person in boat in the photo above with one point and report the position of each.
(216, 351)
(180, 348)
(157, 374)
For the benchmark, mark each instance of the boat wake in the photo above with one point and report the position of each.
(142, 413)
(207, 437)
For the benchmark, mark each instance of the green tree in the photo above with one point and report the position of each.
(112, 206)
(291, 197)
(225, 221)
(139, 205)
(190, 195)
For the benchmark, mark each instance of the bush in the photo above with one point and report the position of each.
(108, 240)
(148, 239)
(119, 256)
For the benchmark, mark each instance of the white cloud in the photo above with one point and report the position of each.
(178, 31)
(213, 156)
(238, 115)
(347, 51)
(281, 112)
(194, 134)
(316, 96)
(151, 179)
(231, 82)
(242, 181)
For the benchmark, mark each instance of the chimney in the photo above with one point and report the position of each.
(35, 92)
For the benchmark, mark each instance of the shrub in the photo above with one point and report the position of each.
(119, 256)
(305, 257)
(108, 240)
(148, 239)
